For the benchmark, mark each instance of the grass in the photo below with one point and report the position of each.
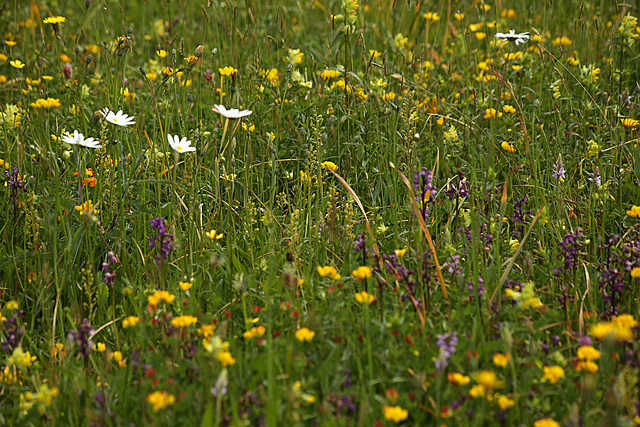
(417, 223)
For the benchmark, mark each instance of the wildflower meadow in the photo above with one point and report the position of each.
(323, 212)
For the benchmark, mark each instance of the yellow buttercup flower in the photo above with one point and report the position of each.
(17, 64)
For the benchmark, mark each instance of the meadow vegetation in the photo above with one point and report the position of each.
(336, 212)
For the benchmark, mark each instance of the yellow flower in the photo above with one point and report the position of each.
(475, 27)
(227, 71)
(629, 123)
(546, 422)
(185, 286)
(20, 358)
(587, 365)
(587, 352)
(374, 53)
(365, 298)
(11, 306)
(501, 359)
(160, 399)
(509, 109)
(395, 414)
(128, 96)
(130, 322)
(206, 331)
(480, 35)
(488, 379)
(255, 332)
(459, 16)
(329, 74)
(635, 273)
(362, 272)
(457, 378)
(431, 16)
(329, 271)
(46, 103)
(602, 330)
(54, 20)
(504, 402)
(225, 358)
(213, 235)
(329, 165)
(87, 208)
(304, 334)
(553, 373)
(634, 211)
(184, 321)
(564, 41)
(509, 148)
(161, 53)
(478, 391)
(17, 64)
(160, 296)
(100, 347)
(491, 113)
(400, 252)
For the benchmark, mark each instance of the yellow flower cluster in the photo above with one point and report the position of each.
(546, 422)
(20, 358)
(54, 20)
(130, 322)
(492, 113)
(526, 297)
(457, 378)
(87, 208)
(362, 272)
(185, 286)
(160, 399)
(227, 71)
(563, 41)
(620, 328)
(509, 109)
(587, 354)
(329, 165)
(160, 296)
(634, 211)
(304, 334)
(365, 297)
(395, 414)
(294, 57)
(501, 359)
(431, 16)
(41, 399)
(487, 381)
(329, 74)
(509, 148)
(206, 331)
(255, 332)
(184, 321)
(46, 103)
(552, 373)
(329, 271)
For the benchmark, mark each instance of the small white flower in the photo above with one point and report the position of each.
(512, 36)
(180, 145)
(118, 118)
(78, 139)
(232, 113)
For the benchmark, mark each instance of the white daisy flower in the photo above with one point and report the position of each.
(512, 36)
(232, 113)
(118, 118)
(180, 145)
(78, 139)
